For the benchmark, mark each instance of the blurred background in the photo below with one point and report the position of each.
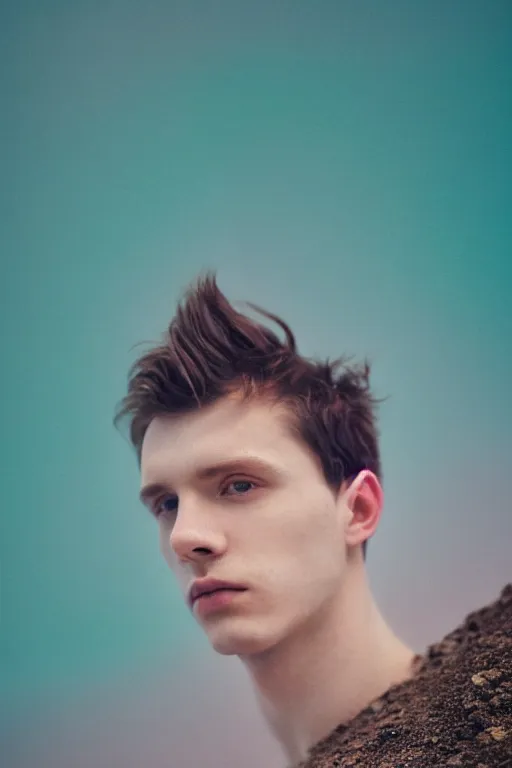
(344, 164)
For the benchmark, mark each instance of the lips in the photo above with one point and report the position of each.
(208, 586)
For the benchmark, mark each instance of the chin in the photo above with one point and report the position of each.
(248, 641)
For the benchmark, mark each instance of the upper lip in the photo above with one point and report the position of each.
(204, 586)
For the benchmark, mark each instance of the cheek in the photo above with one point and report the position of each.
(164, 541)
(166, 549)
(309, 541)
(181, 574)
(319, 569)
(316, 526)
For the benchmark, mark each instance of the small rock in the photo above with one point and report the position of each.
(502, 702)
(469, 704)
(478, 723)
(388, 733)
(498, 733)
(493, 676)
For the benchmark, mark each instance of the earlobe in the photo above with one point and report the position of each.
(365, 500)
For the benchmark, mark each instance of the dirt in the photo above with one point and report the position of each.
(455, 711)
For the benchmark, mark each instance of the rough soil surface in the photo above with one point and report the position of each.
(455, 711)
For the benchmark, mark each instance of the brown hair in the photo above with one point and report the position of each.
(210, 349)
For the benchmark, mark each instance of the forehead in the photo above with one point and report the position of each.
(184, 443)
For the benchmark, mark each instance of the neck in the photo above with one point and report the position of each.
(326, 674)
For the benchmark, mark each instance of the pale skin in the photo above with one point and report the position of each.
(242, 498)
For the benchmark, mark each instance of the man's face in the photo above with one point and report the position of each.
(243, 500)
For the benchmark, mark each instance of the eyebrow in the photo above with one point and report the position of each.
(207, 473)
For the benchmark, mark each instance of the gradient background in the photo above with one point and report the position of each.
(345, 164)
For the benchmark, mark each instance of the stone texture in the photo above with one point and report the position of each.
(455, 711)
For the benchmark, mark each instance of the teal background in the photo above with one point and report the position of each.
(344, 164)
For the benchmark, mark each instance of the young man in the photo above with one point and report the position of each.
(262, 470)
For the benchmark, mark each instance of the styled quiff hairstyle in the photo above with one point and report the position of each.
(211, 350)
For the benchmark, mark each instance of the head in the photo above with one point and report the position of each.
(261, 468)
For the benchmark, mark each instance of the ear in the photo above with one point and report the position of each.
(364, 499)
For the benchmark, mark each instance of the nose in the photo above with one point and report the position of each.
(196, 536)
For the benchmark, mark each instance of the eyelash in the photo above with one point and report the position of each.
(158, 512)
(159, 502)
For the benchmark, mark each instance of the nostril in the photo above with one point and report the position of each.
(202, 550)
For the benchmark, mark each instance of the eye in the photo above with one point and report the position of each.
(239, 487)
(167, 505)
